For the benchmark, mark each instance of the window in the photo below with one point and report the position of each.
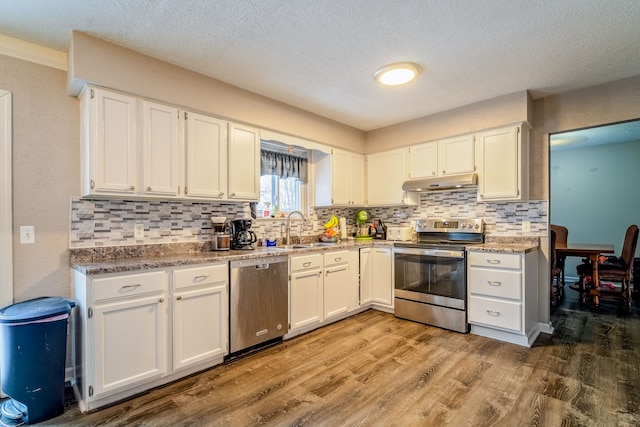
(283, 178)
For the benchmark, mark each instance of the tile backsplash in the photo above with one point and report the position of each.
(101, 223)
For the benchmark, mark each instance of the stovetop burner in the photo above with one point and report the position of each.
(450, 233)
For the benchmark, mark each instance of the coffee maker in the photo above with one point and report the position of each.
(242, 237)
(220, 238)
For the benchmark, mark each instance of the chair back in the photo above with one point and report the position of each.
(629, 246)
(553, 262)
(561, 233)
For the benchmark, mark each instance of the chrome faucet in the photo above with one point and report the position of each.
(287, 236)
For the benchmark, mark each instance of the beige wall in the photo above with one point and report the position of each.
(608, 103)
(103, 63)
(487, 114)
(46, 173)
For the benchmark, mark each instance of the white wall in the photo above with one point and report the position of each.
(595, 194)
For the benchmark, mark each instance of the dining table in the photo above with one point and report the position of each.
(592, 251)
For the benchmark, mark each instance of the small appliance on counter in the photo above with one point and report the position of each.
(221, 237)
(363, 228)
(379, 230)
(242, 238)
(399, 234)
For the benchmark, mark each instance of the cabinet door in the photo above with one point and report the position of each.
(423, 160)
(381, 276)
(306, 298)
(336, 290)
(499, 174)
(366, 279)
(244, 162)
(385, 174)
(356, 180)
(456, 155)
(200, 325)
(206, 140)
(110, 135)
(130, 344)
(161, 152)
(340, 178)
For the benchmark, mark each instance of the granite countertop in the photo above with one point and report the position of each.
(507, 245)
(116, 260)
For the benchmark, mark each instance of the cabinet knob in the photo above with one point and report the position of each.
(148, 188)
(132, 188)
(220, 194)
(232, 195)
(161, 299)
(443, 172)
(178, 298)
(433, 173)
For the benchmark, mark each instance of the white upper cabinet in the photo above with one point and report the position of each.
(110, 143)
(244, 162)
(206, 146)
(161, 151)
(456, 155)
(386, 171)
(449, 156)
(339, 178)
(502, 164)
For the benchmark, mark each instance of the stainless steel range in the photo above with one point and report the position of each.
(430, 274)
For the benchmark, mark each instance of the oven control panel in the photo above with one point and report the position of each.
(450, 225)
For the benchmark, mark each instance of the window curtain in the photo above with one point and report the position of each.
(284, 165)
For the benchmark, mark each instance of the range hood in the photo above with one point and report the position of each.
(451, 182)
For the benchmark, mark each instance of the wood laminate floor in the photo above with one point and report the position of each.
(375, 370)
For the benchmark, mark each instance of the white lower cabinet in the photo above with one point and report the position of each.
(503, 296)
(376, 276)
(132, 333)
(336, 282)
(200, 313)
(305, 291)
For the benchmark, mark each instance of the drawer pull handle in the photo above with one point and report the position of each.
(200, 278)
(494, 283)
(178, 298)
(161, 299)
(306, 264)
(128, 287)
(493, 261)
(338, 259)
(493, 313)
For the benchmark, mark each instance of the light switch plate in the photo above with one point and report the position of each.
(526, 226)
(27, 234)
(138, 231)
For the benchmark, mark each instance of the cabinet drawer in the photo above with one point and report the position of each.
(495, 282)
(305, 262)
(494, 260)
(128, 285)
(490, 312)
(186, 277)
(335, 258)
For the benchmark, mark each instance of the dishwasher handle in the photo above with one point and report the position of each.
(262, 267)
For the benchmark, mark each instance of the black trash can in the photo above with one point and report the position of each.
(33, 335)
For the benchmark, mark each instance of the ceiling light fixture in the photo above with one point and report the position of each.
(397, 74)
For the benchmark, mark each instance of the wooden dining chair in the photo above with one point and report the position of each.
(562, 234)
(617, 269)
(555, 273)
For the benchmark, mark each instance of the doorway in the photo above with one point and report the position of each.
(593, 179)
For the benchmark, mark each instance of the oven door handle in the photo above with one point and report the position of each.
(430, 252)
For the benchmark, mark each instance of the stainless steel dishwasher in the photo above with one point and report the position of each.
(258, 301)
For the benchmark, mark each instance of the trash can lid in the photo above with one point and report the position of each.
(36, 309)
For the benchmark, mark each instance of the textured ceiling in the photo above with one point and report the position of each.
(320, 55)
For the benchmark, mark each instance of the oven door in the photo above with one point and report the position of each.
(433, 276)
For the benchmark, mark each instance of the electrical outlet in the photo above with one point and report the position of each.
(138, 231)
(27, 234)
(526, 226)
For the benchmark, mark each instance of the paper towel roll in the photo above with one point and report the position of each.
(343, 228)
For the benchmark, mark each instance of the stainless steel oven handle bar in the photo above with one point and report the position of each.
(430, 252)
